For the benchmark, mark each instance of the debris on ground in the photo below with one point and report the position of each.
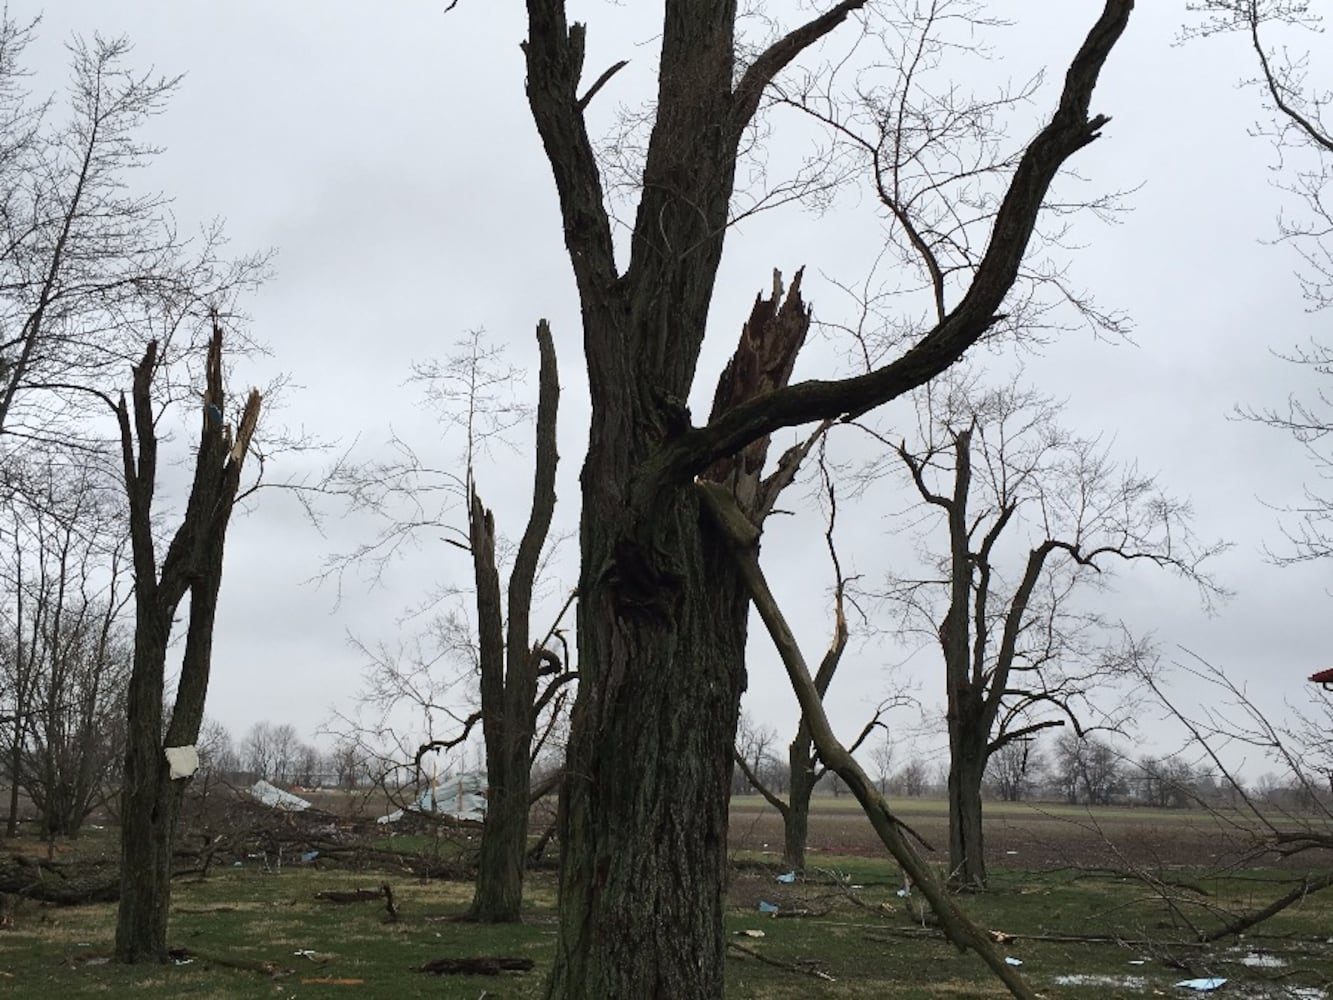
(488, 966)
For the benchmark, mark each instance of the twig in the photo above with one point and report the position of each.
(806, 969)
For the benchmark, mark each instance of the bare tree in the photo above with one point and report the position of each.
(1294, 107)
(662, 607)
(1014, 769)
(753, 756)
(1165, 782)
(1088, 769)
(882, 755)
(1020, 652)
(518, 681)
(270, 750)
(86, 261)
(191, 565)
(348, 764)
(912, 779)
(69, 651)
(512, 667)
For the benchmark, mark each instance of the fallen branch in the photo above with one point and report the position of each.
(488, 966)
(264, 967)
(804, 968)
(887, 936)
(354, 896)
(384, 892)
(1308, 887)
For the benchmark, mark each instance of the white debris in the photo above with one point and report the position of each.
(1084, 979)
(1263, 960)
(183, 761)
(276, 798)
(1206, 985)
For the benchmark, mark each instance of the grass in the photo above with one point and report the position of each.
(858, 931)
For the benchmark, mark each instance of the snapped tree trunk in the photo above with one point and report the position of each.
(150, 798)
(796, 818)
(510, 672)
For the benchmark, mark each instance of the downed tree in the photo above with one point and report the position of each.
(384, 892)
(65, 883)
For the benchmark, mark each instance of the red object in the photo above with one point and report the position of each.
(1324, 677)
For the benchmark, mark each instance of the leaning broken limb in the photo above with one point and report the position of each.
(744, 537)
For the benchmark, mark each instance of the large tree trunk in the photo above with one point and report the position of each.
(149, 806)
(644, 811)
(498, 897)
(967, 768)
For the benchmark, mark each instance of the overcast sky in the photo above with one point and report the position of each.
(387, 154)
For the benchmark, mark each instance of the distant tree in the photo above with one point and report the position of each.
(271, 751)
(1087, 769)
(1014, 769)
(348, 763)
(307, 765)
(753, 758)
(1025, 517)
(217, 752)
(912, 779)
(1166, 782)
(62, 680)
(882, 755)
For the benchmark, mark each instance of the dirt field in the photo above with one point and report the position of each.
(1028, 836)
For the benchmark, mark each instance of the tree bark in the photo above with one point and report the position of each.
(796, 818)
(967, 861)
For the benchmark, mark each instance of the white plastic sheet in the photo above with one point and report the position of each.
(183, 761)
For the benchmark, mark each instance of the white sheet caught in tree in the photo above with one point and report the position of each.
(183, 761)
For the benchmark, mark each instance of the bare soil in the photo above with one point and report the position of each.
(1028, 836)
